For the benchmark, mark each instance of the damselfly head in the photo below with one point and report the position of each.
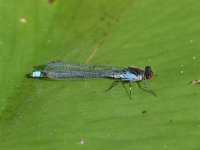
(148, 73)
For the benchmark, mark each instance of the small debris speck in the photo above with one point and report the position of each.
(81, 142)
(193, 82)
(194, 57)
(23, 20)
(181, 72)
(191, 41)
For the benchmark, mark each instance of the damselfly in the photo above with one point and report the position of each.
(65, 70)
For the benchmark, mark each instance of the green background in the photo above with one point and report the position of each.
(78, 114)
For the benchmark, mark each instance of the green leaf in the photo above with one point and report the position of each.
(78, 114)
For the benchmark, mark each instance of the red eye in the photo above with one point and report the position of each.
(148, 77)
(148, 73)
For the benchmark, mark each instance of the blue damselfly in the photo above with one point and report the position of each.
(65, 70)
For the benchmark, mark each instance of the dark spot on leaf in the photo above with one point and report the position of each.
(108, 23)
(105, 33)
(51, 1)
(144, 111)
(170, 121)
(102, 19)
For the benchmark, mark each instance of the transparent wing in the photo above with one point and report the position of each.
(59, 69)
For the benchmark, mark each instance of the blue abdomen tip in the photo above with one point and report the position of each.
(36, 74)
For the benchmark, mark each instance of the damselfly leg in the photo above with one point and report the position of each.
(127, 92)
(112, 85)
(123, 82)
(130, 93)
(145, 83)
(147, 90)
(130, 87)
